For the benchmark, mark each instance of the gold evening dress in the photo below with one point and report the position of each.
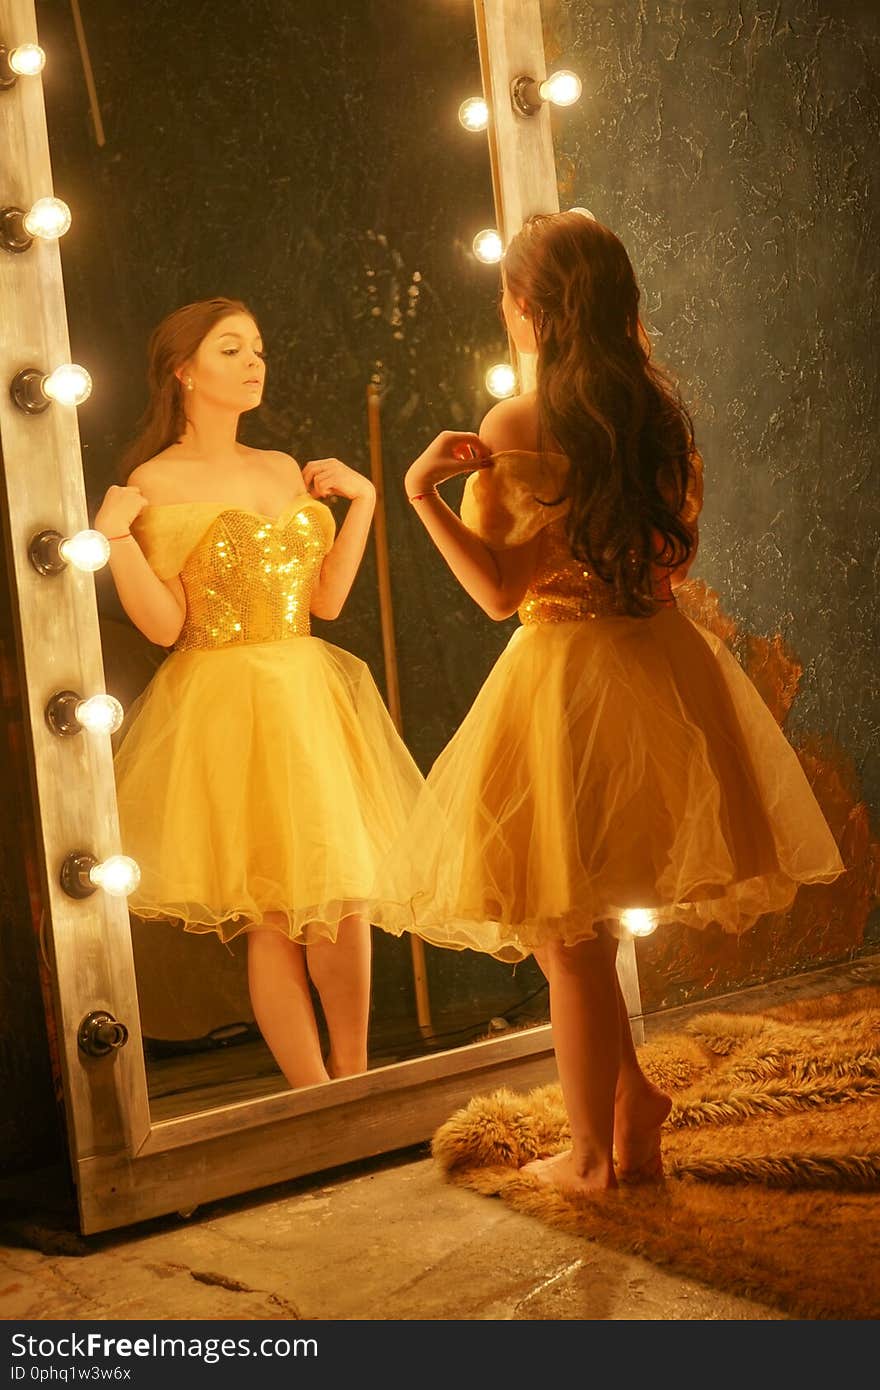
(260, 770)
(609, 766)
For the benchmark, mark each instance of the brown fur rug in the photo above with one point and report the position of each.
(771, 1154)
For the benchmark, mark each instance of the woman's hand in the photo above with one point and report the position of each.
(333, 478)
(118, 510)
(451, 453)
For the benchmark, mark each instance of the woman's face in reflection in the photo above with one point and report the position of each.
(228, 369)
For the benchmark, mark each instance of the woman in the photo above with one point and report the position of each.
(617, 766)
(259, 775)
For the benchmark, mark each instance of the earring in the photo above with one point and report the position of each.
(523, 316)
(189, 383)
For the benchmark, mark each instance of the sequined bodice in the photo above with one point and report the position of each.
(563, 589)
(248, 578)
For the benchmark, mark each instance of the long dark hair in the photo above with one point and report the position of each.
(616, 415)
(173, 342)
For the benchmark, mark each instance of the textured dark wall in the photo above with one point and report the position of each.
(307, 158)
(732, 147)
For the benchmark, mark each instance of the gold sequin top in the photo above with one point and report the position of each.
(247, 578)
(500, 504)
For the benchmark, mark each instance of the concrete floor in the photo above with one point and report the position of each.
(383, 1240)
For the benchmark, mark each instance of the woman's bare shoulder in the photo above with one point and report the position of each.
(282, 466)
(154, 477)
(512, 424)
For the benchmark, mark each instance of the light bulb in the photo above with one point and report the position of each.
(474, 114)
(67, 714)
(68, 384)
(100, 714)
(638, 921)
(119, 875)
(48, 218)
(488, 246)
(501, 380)
(27, 59)
(585, 212)
(562, 88)
(86, 550)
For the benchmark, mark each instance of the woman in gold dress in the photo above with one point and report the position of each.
(259, 776)
(617, 767)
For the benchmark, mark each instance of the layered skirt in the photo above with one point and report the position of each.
(617, 770)
(261, 778)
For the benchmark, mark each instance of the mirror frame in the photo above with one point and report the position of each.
(126, 1166)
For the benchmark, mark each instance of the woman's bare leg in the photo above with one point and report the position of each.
(640, 1107)
(341, 972)
(282, 1004)
(586, 1038)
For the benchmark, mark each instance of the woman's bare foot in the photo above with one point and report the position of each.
(638, 1119)
(561, 1172)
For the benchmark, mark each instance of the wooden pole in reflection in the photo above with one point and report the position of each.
(389, 648)
(89, 76)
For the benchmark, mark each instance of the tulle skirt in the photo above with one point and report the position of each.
(610, 770)
(261, 778)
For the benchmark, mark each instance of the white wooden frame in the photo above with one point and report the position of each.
(126, 1166)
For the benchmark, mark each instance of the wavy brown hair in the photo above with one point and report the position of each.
(616, 415)
(172, 343)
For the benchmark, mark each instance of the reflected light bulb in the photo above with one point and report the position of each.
(68, 384)
(87, 550)
(638, 921)
(27, 59)
(488, 246)
(585, 212)
(100, 714)
(474, 114)
(48, 218)
(562, 88)
(501, 380)
(119, 875)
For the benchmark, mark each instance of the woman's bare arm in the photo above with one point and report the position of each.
(156, 607)
(343, 559)
(495, 579)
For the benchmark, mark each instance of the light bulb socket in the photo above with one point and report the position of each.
(74, 876)
(61, 713)
(27, 391)
(526, 96)
(14, 236)
(8, 77)
(44, 552)
(100, 1033)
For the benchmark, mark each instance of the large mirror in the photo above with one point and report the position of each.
(309, 160)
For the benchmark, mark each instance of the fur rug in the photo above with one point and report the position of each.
(771, 1154)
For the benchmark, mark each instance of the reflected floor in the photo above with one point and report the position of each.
(241, 1067)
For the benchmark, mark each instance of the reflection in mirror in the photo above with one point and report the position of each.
(337, 194)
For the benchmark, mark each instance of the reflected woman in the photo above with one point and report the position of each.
(617, 767)
(259, 775)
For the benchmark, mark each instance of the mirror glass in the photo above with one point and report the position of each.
(309, 160)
